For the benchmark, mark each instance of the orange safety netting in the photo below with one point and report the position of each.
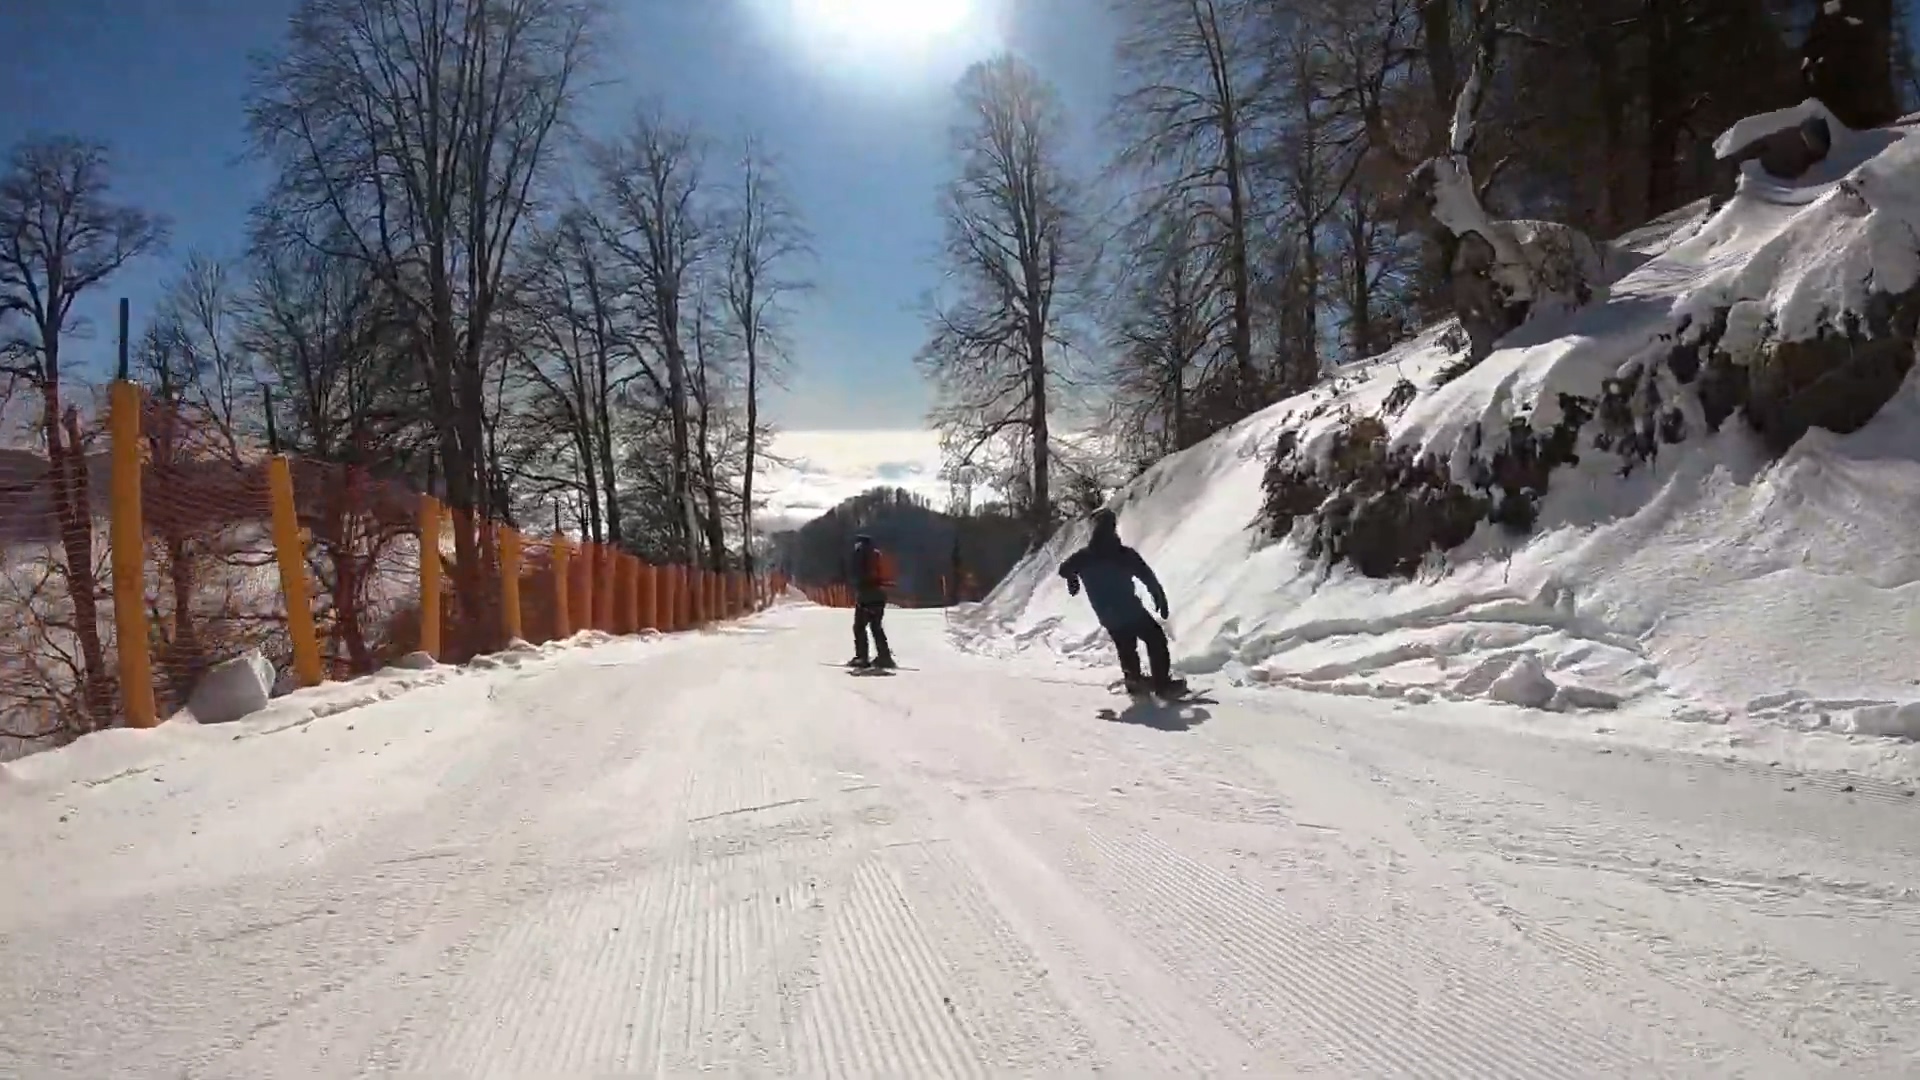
(218, 534)
(56, 616)
(211, 585)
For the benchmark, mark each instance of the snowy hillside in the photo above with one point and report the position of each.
(1639, 511)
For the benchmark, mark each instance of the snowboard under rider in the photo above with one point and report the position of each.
(1108, 568)
(870, 573)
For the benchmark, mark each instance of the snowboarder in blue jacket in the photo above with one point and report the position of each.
(1108, 568)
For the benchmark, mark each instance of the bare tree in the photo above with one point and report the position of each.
(1187, 123)
(410, 135)
(212, 378)
(998, 337)
(576, 340)
(1166, 326)
(765, 240)
(1847, 61)
(333, 343)
(61, 235)
(710, 379)
(655, 220)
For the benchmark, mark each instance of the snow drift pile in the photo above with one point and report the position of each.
(1698, 494)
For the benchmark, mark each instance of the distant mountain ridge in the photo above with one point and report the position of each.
(927, 545)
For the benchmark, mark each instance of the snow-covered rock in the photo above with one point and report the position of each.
(233, 689)
(1524, 683)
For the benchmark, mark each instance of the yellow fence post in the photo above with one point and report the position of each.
(430, 576)
(510, 582)
(562, 591)
(127, 535)
(290, 552)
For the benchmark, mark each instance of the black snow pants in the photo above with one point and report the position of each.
(1127, 639)
(871, 615)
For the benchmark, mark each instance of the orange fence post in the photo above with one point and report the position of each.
(580, 584)
(627, 593)
(603, 588)
(291, 554)
(640, 590)
(644, 593)
(128, 540)
(668, 579)
(676, 609)
(609, 589)
(696, 611)
(430, 576)
(585, 571)
(683, 607)
(510, 583)
(562, 591)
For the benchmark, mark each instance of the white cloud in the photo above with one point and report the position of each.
(826, 468)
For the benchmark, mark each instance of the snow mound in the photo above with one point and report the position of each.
(1701, 573)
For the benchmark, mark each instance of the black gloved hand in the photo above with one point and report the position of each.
(1073, 586)
(1162, 609)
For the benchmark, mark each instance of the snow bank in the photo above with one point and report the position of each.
(1716, 581)
(114, 752)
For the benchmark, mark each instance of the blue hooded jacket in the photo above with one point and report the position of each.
(1108, 568)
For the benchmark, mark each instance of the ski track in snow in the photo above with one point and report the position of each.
(712, 853)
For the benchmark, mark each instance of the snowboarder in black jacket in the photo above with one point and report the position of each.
(869, 576)
(1108, 568)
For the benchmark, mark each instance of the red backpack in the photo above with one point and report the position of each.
(880, 568)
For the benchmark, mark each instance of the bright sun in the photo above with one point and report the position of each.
(881, 24)
(887, 38)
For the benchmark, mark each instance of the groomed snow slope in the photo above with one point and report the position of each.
(715, 854)
(1755, 598)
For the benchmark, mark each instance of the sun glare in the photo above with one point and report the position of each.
(882, 23)
(869, 36)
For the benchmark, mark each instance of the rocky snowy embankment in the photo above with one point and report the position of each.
(1695, 498)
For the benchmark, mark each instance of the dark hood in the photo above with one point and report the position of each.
(1106, 530)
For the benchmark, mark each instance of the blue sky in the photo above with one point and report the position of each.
(862, 138)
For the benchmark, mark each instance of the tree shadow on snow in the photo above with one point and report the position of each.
(1162, 715)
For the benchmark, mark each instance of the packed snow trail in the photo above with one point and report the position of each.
(717, 852)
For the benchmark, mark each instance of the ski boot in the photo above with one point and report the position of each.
(859, 663)
(884, 663)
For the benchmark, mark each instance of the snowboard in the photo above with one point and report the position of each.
(849, 669)
(1181, 693)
